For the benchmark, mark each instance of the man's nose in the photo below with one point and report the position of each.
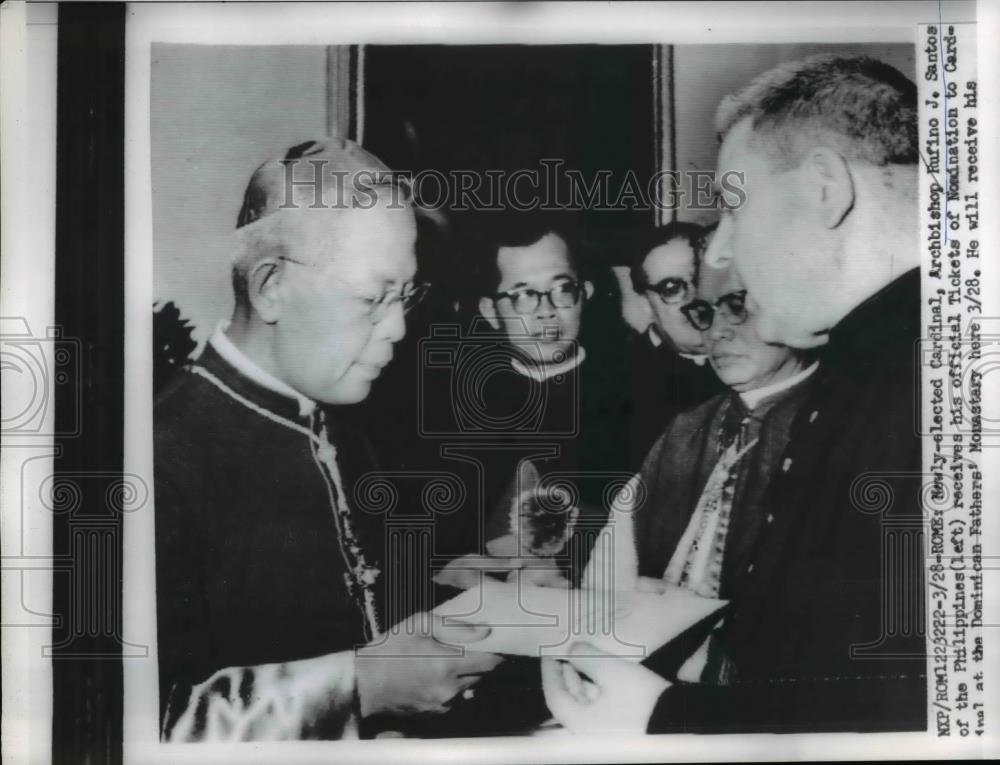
(719, 253)
(720, 329)
(393, 324)
(546, 308)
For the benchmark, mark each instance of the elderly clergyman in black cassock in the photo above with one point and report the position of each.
(824, 631)
(267, 578)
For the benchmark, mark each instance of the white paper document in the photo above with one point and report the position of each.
(545, 621)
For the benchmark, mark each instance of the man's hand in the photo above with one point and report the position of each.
(595, 691)
(420, 666)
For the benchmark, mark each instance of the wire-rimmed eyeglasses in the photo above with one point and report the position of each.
(378, 307)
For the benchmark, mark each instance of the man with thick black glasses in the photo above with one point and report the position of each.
(697, 520)
(271, 597)
(827, 629)
(670, 373)
(542, 406)
(550, 434)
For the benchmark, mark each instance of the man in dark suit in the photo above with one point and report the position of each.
(825, 630)
(670, 373)
(542, 418)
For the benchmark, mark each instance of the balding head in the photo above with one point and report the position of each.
(323, 271)
(827, 150)
(862, 107)
(323, 178)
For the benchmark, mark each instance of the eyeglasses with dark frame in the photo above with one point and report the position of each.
(671, 290)
(377, 308)
(701, 313)
(562, 294)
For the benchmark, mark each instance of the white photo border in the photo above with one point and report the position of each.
(398, 23)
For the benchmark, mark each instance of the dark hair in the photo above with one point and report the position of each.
(518, 229)
(861, 106)
(692, 233)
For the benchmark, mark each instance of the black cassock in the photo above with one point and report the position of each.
(252, 563)
(826, 629)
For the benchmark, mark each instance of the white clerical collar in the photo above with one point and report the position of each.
(753, 397)
(656, 340)
(698, 358)
(250, 369)
(545, 371)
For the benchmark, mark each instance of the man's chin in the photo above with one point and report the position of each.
(772, 330)
(791, 328)
(792, 337)
(556, 354)
(348, 392)
(731, 373)
(546, 353)
(682, 343)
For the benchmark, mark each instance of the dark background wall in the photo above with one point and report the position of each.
(509, 107)
(218, 111)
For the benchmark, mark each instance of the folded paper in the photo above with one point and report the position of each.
(528, 620)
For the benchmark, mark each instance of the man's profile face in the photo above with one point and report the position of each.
(741, 359)
(673, 260)
(327, 347)
(546, 334)
(774, 243)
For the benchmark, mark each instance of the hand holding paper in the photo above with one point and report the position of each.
(544, 621)
(420, 666)
(593, 691)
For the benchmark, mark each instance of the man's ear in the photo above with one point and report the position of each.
(489, 311)
(588, 289)
(263, 287)
(831, 177)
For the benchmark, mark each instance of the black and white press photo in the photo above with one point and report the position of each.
(415, 379)
(557, 382)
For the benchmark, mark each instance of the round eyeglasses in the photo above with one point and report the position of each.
(671, 290)
(564, 294)
(701, 313)
(378, 307)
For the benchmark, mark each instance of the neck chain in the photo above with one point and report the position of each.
(361, 576)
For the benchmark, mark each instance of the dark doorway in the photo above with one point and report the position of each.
(509, 108)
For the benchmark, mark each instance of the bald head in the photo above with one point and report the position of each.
(296, 202)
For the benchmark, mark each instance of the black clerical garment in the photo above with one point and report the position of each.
(572, 427)
(258, 558)
(826, 627)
